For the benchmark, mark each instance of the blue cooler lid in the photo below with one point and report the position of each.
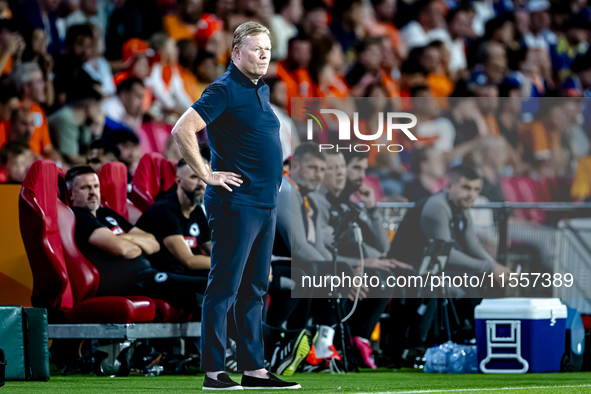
(521, 308)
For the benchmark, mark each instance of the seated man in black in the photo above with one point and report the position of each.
(117, 248)
(178, 223)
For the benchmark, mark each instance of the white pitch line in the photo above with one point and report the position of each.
(482, 389)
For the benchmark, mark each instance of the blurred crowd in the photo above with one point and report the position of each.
(497, 84)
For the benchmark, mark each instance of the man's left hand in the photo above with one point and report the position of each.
(367, 196)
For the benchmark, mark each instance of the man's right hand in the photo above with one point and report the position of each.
(222, 178)
(499, 271)
(386, 264)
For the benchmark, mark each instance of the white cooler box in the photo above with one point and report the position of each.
(518, 335)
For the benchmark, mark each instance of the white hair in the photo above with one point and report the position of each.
(24, 74)
(247, 29)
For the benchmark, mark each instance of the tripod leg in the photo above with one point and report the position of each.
(342, 330)
(454, 311)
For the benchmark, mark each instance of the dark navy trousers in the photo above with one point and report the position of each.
(242, 242)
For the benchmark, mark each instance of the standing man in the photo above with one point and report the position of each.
(245, 153)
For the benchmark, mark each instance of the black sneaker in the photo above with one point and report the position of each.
(286, 359)
(223, 382)
(272, 383)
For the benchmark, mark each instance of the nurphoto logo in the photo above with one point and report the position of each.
(344, 122)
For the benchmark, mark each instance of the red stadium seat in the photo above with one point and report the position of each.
(134, 212)
(511, 194)
(532, 190)
(62, 278)
(113, 180)
(525, 190)
(153, 175)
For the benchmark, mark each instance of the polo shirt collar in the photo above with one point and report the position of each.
(243, 79)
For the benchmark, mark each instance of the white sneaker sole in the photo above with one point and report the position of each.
(223, 388)
(295, 387)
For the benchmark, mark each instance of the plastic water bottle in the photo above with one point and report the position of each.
(439, 361)
(457, 360)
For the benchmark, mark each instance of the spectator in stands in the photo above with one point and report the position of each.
(101, 152)
(545, 146)
(385, 10)
(367, 70)
(327, 51)
(346, 24)
(294, 69)
(117, 248)
(92, 12)
(582, 69)
(433, 63)
(42, 15)
(97, 67)
(568, 46)
(315, 21)
(165, 80)
(68, 67)
(189, 22)
(136, 63)
(16, 159)
(31, 85)
(432, 126)
(278, 96)
(492, 59)
(459, 24)
(493, 162)
(428, 167)
(187, 56)
(288, 13)
(206, 71)
(129, 148)
(22, 127)
(126, 106)
(539, 35)
(36, 52)
(131, 19)
(465, 116)
(78, 123)
(500, 30)
(178, 223)
(427, 26)
(487, 99)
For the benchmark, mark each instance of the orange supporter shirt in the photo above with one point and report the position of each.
(340, 88)
(581, 187)
(200, 32)
(7, 67)
(190, 83)
(390, 85)
(441, 87)
(539, 141)
(298, 82)
(40, 139)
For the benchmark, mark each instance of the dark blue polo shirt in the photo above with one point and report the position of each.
(243, 135)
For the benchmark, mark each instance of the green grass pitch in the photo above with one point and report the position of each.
(380, 381)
